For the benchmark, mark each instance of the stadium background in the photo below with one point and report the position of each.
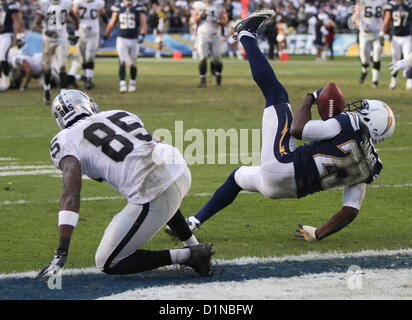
(28, 214)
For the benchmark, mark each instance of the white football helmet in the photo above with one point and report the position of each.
(72, 105)
(378, 117)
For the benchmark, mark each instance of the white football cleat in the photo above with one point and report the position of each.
(132, 85)
(409, 84)
(193, 224)
(394, 82)
(123, 87)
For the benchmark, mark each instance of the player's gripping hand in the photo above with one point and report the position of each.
(140, 38)
(315, 95)
(306, 232)
(397, 65)
(58, 262)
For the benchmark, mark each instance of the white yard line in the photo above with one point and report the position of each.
(371, 284)
(201, 194)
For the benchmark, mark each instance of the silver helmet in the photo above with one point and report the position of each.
(72, 105)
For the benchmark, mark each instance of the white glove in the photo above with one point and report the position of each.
(306, 232)
(397, 65)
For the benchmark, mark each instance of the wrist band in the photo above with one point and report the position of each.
(68, 217)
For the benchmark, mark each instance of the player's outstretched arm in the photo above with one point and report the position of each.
(352, 201)
(68, 214)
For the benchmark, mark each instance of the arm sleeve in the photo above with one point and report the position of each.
(353, 195)
(321, 130)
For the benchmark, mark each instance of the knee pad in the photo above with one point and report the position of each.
(377, 65)
(365, 65)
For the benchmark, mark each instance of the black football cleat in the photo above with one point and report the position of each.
(219, 80)
(46, 98)
(200, 258)
(362, 77)
(253, 22)
(202, 83)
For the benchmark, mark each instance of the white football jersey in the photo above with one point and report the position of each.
(113, 146)
(89, 15)
(371, 15)
(35, 62)
(209, 25)
(55, 19)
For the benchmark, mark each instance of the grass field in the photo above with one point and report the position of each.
(167, 91)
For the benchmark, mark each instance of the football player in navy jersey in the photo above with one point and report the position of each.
(341, 151)
(10, 21)
(132, 30)
(398, 13)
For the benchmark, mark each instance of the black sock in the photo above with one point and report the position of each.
(122, 72)
(141, 260)
(133, 72)
(179, 226)
(63, 80)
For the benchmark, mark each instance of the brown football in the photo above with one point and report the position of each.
(330, 101)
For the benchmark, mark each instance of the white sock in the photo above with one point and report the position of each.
(245, 33)
(179, 255)
(89, 73)
(375, 75)
(192, 241)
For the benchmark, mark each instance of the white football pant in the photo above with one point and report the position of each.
(275, 177)
(136, 224)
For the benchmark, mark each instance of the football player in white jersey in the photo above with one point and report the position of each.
(368, 16)
(88, 12)
(11, 22)
(51, 17)
(114, 146)
(25, 67)
(210, 18)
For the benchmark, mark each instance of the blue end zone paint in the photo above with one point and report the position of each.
(92, 286)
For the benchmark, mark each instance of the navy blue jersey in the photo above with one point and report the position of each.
(6, 11)
(348, 158)
(401, 18)
(129, 21)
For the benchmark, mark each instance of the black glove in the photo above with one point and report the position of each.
(58, 262)
(51, 34)
(140, 38)
(315, 95)
(382, 39)
(203, 16)
(73, 39)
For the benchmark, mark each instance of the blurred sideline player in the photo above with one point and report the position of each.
(398, 13)
(51, 17)
(405, 64)
(11, 21)
(89, 12)
(25, 67)
(341, 153)
(152, 175)
(210, 18)
(132, 31)
(368, 16)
